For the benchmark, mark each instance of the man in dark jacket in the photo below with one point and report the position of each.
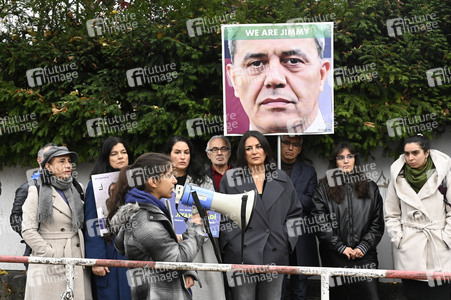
(218, 152)
(21, 195)
(304, 181)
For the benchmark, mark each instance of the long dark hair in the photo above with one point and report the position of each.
(195, 169)
(360, 183)
(147, 165)
(102, 164)
(241, 151)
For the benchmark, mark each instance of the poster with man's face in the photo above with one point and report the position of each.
(278, 78)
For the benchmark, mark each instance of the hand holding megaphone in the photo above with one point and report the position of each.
(230, 206)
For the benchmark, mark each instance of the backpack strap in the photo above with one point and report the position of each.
(79, 189)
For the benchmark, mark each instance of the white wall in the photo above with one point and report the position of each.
(12, 178)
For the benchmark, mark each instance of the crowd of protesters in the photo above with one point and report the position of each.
(52, 212)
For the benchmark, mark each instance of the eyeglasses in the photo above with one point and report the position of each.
(342, 157)
(216, 149)
(288, 143)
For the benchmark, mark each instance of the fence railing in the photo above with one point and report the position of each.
(325, 273)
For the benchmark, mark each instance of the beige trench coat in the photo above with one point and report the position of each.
(54, 239)
(419, 225)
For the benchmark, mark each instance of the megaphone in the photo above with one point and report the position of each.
(227, 205)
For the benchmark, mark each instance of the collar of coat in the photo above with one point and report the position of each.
(442, 164)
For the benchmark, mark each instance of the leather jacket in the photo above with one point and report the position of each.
(352, 223)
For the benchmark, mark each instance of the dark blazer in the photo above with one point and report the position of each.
(208, 171)
(266, 240)
(305, 182)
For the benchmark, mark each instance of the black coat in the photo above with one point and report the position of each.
(355, 222)
(305, 182)
(266, 240)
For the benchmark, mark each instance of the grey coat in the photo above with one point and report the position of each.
(145, 233)
(266, 239)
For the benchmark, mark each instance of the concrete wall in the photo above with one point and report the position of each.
(11, 178)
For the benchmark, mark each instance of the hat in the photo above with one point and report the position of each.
(55, 151)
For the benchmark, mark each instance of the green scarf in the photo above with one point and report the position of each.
(417, 178)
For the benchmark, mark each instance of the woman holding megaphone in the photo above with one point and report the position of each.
(144, 230)
(267, 240)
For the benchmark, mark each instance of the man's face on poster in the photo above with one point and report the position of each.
(278, 81)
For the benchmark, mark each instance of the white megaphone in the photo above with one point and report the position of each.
(227, 205)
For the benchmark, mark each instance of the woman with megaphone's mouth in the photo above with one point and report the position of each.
(144, 230)
(266, 240)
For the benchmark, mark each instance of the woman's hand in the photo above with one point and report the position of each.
(349, 252)
(189, 281)
(179, 237)
(358, 253)
(100, 271)
(196, 219)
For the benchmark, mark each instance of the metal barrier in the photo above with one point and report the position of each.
(325, 273)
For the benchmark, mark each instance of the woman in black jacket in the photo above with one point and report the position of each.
(349, 212)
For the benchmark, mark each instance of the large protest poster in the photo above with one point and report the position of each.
(278, 78)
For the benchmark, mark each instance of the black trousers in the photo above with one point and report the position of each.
(421, 290)
(351, 288)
